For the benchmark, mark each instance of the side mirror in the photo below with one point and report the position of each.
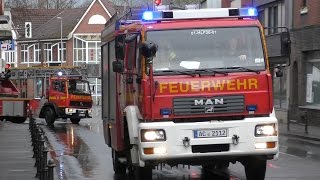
(278, 71)
(148, 49)
(119, 46)
(285, 43)
(118, 66)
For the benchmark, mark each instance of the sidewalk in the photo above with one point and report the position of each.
(296, 130)
(16, 153)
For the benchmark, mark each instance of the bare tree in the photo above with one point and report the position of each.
(49, 4)
(18, 3)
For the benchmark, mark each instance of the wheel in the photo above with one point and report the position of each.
(222, 165)
(18, 120)
(50, 116)
(144, 173)
(119, 168)
(75, 120)
(255, 168)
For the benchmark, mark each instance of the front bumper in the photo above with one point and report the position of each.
(176, 133)
(78, 113)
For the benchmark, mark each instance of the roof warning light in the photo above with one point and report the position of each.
(199, 13)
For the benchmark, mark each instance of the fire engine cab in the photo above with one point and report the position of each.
(188, 87)
(65, 91)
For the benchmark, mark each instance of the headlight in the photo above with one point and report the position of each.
(265, 130)
(90, 111)
(152, 135)
(70, 110)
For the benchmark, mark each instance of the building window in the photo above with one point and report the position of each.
(62, 59)
(79, 55)
(10, 58)
(30, 53)
(47, 52)
(304, 3)
(24, 53)
(273, 19)
(313, 82)
(36, 53)
(304, 7)
(86, 52)
(52, 52)
(261, 17)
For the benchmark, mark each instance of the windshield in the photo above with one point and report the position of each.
(213, 48)
(78, 87)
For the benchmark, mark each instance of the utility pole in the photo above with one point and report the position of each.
(61, 44)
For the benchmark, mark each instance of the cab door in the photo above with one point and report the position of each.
(58, 93)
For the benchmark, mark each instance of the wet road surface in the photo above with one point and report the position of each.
(80, 153)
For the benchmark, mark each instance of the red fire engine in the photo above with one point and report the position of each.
(65, 92)
(188, 87)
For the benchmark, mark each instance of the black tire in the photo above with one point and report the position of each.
(140, 173)
(222, 165)
(255, 168)
(119, 169)
(18, 120)
(75, 120)
(50, 116)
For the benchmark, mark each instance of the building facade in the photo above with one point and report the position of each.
(69, 37)
(272, 13)
(305, 69)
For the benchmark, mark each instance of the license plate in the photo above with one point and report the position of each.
(210, 133)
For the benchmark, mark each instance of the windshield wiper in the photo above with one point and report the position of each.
(180, 72)
(211, 71)
(244, 68)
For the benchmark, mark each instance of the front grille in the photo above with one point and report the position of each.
(210, 148)
(208, 105)
(80, 104)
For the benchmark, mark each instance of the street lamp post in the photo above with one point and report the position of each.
(61, 45)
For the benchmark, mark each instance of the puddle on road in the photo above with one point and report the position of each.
(300, 148)
(73, 146)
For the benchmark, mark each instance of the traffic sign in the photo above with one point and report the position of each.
(7, 45)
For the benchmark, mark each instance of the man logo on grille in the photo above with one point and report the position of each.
(201, 102)
(209, 109)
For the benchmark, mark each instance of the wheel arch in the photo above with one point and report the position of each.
(51, 105)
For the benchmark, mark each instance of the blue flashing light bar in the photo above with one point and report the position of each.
(199, 13)
(250, 12)
(151, 15)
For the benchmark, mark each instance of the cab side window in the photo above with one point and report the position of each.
(132, 53)
(120, 47)
(59, 86)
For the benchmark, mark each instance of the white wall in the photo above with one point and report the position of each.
(211, 4)
(236, 3)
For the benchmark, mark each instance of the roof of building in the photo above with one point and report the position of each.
(109, 6)
(46, 24)
(36, 16)
(51, 29)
